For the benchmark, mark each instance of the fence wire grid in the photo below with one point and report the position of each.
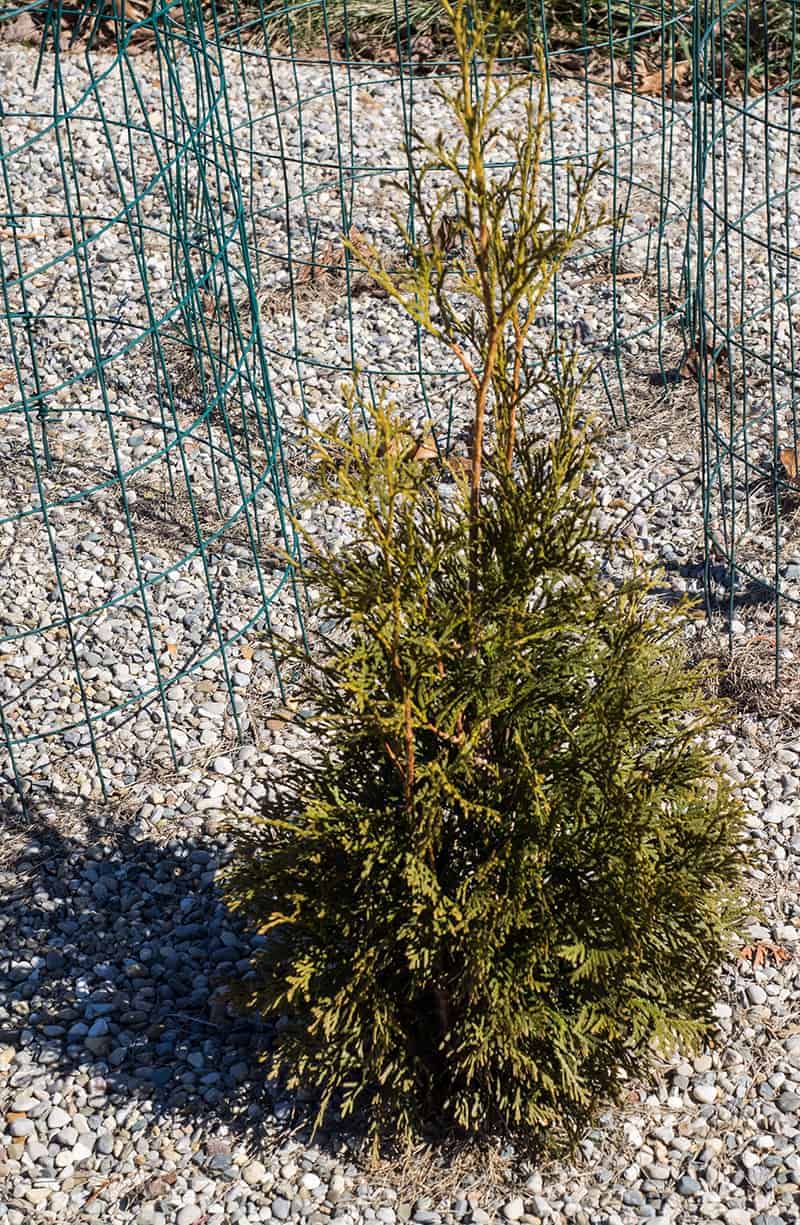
(177, 305)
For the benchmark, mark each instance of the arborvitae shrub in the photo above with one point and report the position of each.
(505, 866)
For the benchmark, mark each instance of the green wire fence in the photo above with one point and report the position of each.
(748, 286)
(177, 305)
(329, 95)
(686, 299)
(144, 529)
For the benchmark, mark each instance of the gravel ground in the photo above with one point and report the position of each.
(127, 1090)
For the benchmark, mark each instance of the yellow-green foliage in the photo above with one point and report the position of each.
(506, 865)
(506, 869)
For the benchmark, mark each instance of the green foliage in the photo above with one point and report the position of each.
(504, 870)
(486, 252)
(505, 866)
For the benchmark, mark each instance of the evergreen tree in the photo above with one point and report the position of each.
(507, 865)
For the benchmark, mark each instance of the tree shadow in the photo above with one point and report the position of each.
(120, 948)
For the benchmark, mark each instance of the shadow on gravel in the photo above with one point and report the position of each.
(114, 949)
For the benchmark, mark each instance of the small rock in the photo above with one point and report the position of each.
(254, 1173)
(776, 813)
(24, 1102)
(633, 1198)
(81, 1152)
(514, 1209)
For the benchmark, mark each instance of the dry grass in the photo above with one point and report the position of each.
(470, 1169)
(745, 679)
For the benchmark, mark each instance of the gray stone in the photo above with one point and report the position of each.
(776, 813)
(24, 1102)
(254, 1173)
(189, 1214)
(81, 1152)
(150, 1215)
(633, 1198)
(98, 1046)
(281, 1208)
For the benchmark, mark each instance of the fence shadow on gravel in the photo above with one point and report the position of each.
(118, 948)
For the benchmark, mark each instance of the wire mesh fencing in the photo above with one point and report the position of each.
(178, 307)
(144, 502)
(748, 282)
(686, 299)
(330, 99)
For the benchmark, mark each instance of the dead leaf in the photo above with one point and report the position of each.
(21, 30)
(764, 951)
(715, 370)
(361, 247)
(160, 1184)
(425, 450)
(247, 651)
(788, 458)
(6, 377)
(330, 257)
(171, 648)
(672, 75)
